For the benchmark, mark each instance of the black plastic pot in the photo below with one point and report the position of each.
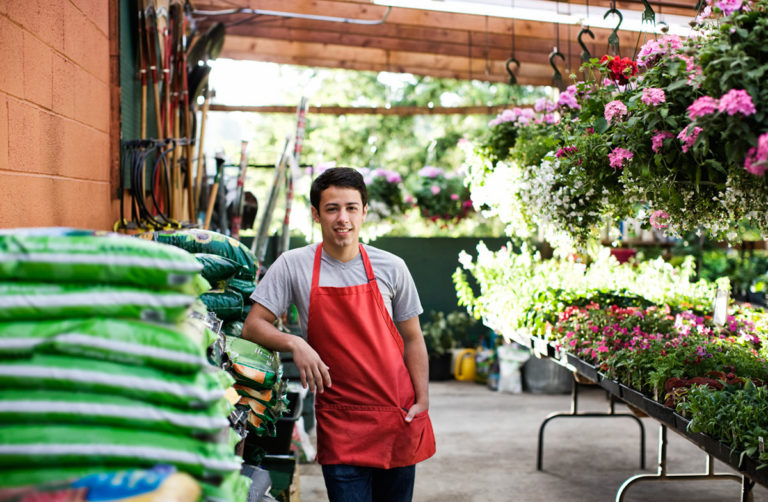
(440, 367)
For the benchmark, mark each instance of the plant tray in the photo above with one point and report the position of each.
(609, 384)
(582, 367)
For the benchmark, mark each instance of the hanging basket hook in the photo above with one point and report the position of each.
(512, 77)
(557, 77)
(613, 38)
(585, 55)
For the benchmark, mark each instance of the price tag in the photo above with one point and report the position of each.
(720, 307)
(761, 444)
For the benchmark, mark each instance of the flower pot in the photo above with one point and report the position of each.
(440, 367)
(623, 255)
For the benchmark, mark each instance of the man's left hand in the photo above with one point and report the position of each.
(415, 410)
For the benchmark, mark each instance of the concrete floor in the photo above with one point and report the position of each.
(486, 451)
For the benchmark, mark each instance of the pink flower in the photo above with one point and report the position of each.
(688, 140)
(703, 106)
(736, 101)
(756, 161)
(434, 189)
(657, 141)
(566, 151)
(431, 172)
(618, 156)
(658, 219)
(705, 13)
(614, 109)
(454, 196)
(568, 100)
(391, 176)
(653, 96)
(550, 118)
(728, 6)
(653, 50)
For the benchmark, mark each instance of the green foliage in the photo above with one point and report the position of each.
(736, 415)
(445, 332)
(440, 196)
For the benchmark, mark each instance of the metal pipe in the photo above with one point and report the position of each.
(294, 15)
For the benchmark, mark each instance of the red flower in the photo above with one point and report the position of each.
(621, 69)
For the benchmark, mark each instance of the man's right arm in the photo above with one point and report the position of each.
(259, 328)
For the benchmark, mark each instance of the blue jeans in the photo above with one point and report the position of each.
(351, 483)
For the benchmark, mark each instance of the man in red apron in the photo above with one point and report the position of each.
(370, 372)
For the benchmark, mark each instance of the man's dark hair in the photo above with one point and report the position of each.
(344, 177)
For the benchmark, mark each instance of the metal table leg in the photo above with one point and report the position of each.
(661, 474)
(574, 413)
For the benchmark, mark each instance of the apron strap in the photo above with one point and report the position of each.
(367, 263)
(318, 257)
(316, 266)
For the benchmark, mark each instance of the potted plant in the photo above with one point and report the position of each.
(442, 334)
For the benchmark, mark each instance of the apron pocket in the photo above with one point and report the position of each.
(372, 436)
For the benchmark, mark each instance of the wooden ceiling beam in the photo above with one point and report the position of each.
(357, 110)
(371, 59)
(397, 16)
(498, 47)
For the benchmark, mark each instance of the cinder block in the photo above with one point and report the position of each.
(38, 71)
(50, 143)
(85, 44)
(12, 49)
(97, 12)
(85, 153)
(3, 131)
(51, 25)
(46, 201)
(91, 98)
(23, 133)
(26, 13)
(63, 92)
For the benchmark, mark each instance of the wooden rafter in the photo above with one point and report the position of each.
(374, 110)
(438, 44)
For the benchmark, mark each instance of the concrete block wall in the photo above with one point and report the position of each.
(58, 122)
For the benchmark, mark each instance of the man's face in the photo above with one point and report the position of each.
(341, 214)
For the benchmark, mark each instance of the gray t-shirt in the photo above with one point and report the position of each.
(289, 280)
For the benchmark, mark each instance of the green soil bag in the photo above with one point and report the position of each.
(234, 487)
(245, 288)
(206, 241)
(36, 301)
(65, 407)
(72, 445)
(66, 255)
(274, 397)
(217, 268)
(41, 371)
(170, 347)
(253, 365)
(233, 328)
(227, 305)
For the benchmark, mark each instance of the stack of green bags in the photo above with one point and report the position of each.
(230, 266)
(101, 366)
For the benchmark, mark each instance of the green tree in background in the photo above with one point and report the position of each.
(403, 144)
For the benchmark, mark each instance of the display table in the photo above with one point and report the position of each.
(668, 420)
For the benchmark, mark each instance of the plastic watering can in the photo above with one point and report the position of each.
(464, 370)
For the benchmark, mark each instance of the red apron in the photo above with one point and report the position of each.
(361, 417)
